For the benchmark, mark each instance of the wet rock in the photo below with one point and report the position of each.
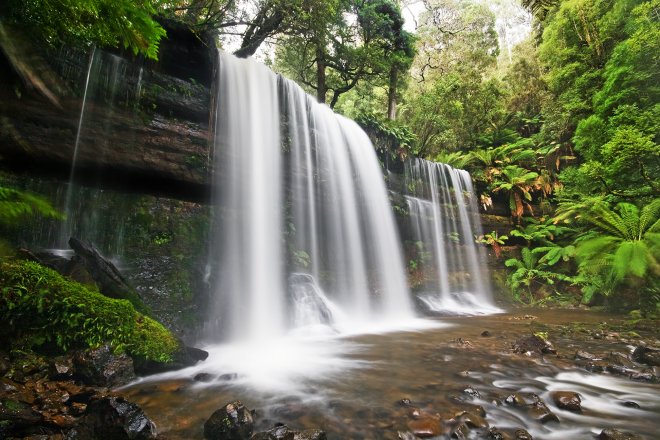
(228, 376)
(231, 422)
(471, 392)
(497, 434)
(203, 377)
(630, 404)
(515, 400)
(644, 376)
(567, 400)
(472, 420)
(283, 432)
(581, 355)
(16, 416)
(621, 359)
(5, 363)
(404, 402)
(407, 435)
(615, 434)
(533, 344)
(645, 355)
(541, 413)
(115, 418)
(618, 370)
(110, 281)
(485, 333)
(196, 354)
(522, 434)
(62, 367)
(425, 427)
(501, 434)
(184, 357)
(101, 367)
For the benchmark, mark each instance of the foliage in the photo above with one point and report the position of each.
(529, 273)
(39, 307)
(107, 23)
(335, 45)
(389, 135)
(15, 205)
(493, 240)
(625, 245)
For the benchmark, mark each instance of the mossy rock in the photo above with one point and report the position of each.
(41, 309)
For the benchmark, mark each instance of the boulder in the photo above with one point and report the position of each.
(115, 418)
(101, 367)
(645, 355)
(567, 400)
(231, 422)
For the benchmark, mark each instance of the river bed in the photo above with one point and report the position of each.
(386, 385)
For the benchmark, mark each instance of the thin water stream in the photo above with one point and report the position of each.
(352, 387)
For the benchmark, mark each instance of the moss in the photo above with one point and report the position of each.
(40, 308)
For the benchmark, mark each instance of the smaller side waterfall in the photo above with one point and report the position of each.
(112, 86)
(445, 221)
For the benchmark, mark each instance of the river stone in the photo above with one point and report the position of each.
(472, 392)
(115, 418)
(425, 427)
(101, 367)
(231, 422)
(582, 355)
(517, 434)
(540, 412)
(283, 432)
(522, 434)
(568, 400)
(645, 355)
(474, 421)
(533, 344)
(615, 434)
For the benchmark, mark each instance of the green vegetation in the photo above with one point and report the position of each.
(106, 23)
(15, 205)
(562, 128)
(41, 309)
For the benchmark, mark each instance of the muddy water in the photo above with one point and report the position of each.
(432, 368)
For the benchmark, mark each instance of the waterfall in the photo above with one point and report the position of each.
(301, 214)
(109, 88)
(445, 220)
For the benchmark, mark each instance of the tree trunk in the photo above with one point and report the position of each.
(321, 89)
(391, 93)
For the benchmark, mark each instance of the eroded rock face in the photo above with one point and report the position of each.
(231, 422)
(158, 140)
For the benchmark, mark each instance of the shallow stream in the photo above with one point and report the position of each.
(353, 386)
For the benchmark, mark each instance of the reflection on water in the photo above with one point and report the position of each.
(352, 386)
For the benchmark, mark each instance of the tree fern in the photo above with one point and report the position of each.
(625, 244)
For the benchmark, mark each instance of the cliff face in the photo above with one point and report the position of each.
(143, 125)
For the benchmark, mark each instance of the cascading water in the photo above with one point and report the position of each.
(444, 222)
(107, 83)
(302, 214)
